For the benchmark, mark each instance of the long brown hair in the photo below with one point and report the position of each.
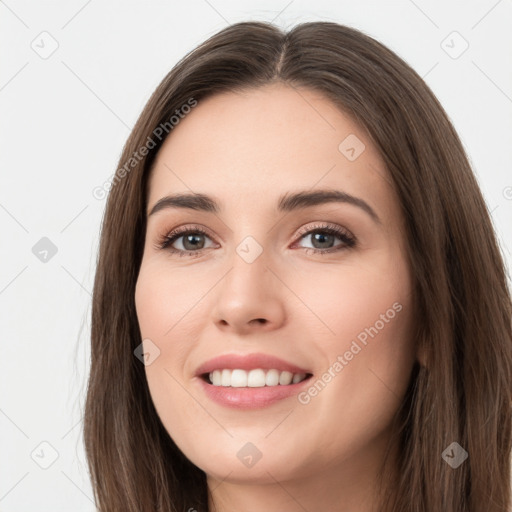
(460, 393)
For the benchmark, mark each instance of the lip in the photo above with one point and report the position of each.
(248, 362)
(249, 398)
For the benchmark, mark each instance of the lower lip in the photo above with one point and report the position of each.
(250, 398)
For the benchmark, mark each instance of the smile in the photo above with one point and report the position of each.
(256, 378)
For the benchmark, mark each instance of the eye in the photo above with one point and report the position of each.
(192, 240)
(323, 236)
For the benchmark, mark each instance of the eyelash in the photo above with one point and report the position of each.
(348, 240)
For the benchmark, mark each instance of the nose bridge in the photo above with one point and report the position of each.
(248, 291)
(249, 273)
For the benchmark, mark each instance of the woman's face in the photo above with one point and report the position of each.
(276, 267)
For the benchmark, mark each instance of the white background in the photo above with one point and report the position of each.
(64, 120)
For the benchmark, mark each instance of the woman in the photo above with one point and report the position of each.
(299, 302)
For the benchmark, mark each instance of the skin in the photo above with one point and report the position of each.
(247, 149)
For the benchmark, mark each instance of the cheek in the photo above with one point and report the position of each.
(366, 380)
(165, 300)
(165, 318)
(366, 349)
(363, 312)
(361, 299)
(159, 310)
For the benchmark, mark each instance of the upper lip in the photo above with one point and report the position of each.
(248, 362)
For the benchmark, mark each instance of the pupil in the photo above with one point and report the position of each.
(322, 238)
(189, 239)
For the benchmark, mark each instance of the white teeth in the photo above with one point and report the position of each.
(256, 378)
(272, 378)
(238, 379)
(285, 378)
(226, 378)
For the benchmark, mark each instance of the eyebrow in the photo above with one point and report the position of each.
(287, 203)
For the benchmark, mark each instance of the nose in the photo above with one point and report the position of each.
(250, 297)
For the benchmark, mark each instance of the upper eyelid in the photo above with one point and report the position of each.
(183, 230)
(303, 230)
(323, 225)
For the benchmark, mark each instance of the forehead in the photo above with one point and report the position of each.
(250, 147)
